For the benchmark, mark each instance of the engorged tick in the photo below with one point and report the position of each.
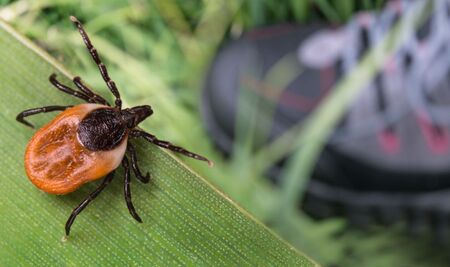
(89, 141)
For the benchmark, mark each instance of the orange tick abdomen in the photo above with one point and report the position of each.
(57, 163)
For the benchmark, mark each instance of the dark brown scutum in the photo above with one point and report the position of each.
(102, 129)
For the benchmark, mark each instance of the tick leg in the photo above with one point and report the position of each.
(68, 90)
(104, 72)
(127, 190)
(137, 172)
(87, 200)
(20, 117)
(85, 89)
(152, 139)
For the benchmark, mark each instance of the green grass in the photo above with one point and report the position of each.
(158, 52)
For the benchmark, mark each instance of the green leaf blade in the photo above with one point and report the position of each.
(186, 221)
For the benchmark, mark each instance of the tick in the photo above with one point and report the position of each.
(89, 141)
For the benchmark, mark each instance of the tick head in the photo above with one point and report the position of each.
(133, 116)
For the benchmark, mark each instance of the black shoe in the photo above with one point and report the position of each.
(389, 159)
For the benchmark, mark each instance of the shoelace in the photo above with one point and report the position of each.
(415, 76)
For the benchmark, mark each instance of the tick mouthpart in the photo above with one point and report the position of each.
(135, 115)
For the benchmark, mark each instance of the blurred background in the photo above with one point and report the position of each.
(326, 120)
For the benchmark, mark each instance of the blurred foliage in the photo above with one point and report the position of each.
(158, 53)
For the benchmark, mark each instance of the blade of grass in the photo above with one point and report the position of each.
(186, 220)
(328, 10)
(300, 8)
(344, 8)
